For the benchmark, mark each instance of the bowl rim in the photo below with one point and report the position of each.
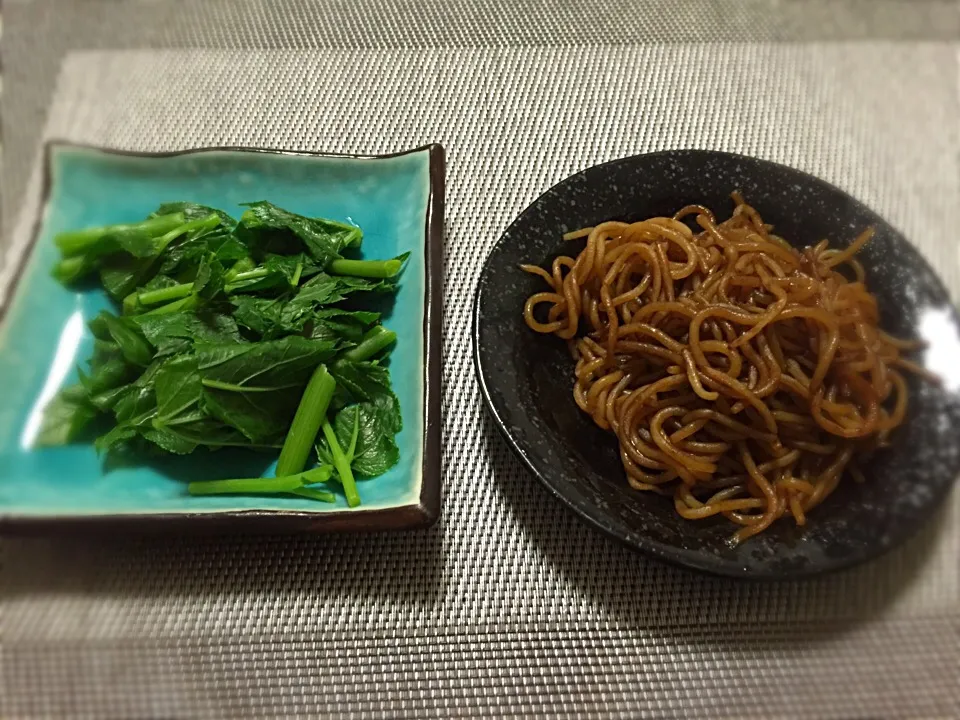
(687, 559)
(420, 514)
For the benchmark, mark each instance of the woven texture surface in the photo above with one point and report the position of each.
(509, 605)
(38, 33)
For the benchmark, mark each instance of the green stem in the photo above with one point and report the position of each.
(174, 292)
(321, 495)
(241, 279)
(131, 304)
(311, 412)
(366, 268)
(186, 303)
(242, 265)
(245, 485)
(373, 342)
(295, 280)
(78, 242)
(254, 274)
(72, 269)
(316, 475)
(204, 223)
(288, 484)
(231, 387)
(342, 465)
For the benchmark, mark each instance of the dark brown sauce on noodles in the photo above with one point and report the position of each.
(740, 376)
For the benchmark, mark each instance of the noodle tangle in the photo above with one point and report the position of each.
(741, 377)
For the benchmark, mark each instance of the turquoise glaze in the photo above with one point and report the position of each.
(44, 336)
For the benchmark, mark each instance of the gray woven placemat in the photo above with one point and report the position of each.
(509, 605)
(39, 32)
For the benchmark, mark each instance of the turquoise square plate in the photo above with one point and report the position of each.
(398, 202)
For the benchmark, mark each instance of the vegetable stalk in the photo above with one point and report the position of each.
(186, 303)
(245, 485)
(239, 280)
(366, 268)
(88, 240)
(376, 339)
(290, 484)
(342, 463)
(321, 495)
(242, 265)
(254, 274)
(163, 295)
(204, 223)
(311, 412)
(72, 269)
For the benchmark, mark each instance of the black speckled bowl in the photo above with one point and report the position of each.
(526, 378)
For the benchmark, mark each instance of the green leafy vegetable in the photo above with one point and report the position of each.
(378, 409)
(134, 412)
(378, 423)
(108, 368)
(255, 387)
(260, 315)
(179, 390)
(134, 255)
(274, 230)
(128, 338)
(176, 332)
(364, 380)
(194, 211)
(348, 325)
(235, 333)
(66, 417)
(283, 363)
(102, 240)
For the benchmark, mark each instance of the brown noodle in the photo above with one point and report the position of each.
(741, 376)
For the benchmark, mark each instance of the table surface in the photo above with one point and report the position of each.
(509, 605)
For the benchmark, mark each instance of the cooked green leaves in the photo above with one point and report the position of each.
(177, 332)
(378, 422)
(255, 387)
(270, 229)
(248, 332)
(371, 399)
(66, 417)
(262, 366)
